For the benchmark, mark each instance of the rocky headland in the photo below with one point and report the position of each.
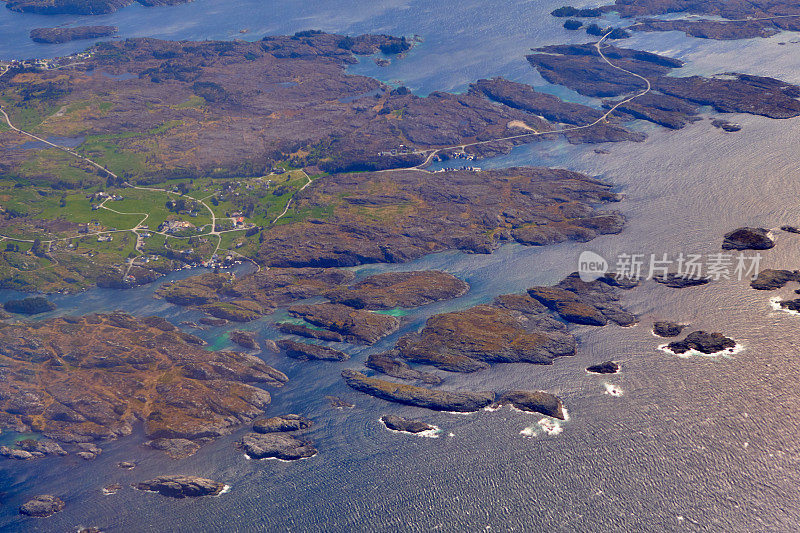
(437, 400)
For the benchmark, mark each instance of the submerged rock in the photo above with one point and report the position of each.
(667, 329)
(462, 402)
(609, 367)
(397, 423)
(790, 229)
(245, 339)
(275, 445)
(701, 341)
(748, 239)
(178, 486)
(42, 506)
(338, 403)
(534, 402)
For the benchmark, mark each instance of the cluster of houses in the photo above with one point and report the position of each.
(175, 226)
(401, 150)
(47, 64)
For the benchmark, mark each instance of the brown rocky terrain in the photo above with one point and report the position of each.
(400, 289)
(79, 379)
(357, 326)
(399, 216)
(237, 107)
(514, 328)
(704, 342)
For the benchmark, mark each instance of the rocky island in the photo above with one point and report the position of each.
(703, 342)
(178, 486)
(63, 35)
(83, 379)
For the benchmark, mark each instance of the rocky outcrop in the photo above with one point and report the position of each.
(609, 367)
(175, 448)
(701, 341)
(279, 424)
(534, 402)
(356, 325)
(679, 281)
(514, 328)
(667, 329)
(275, 446)
(42, 506)
(770, 279)
(594, 303)
(82, 379)
(304, 331)
(245, 339)
(178, 486)
(438, 400)
(32, 449)
(397, 423)
(748, 239)
(790, 305)
(400, 289)
(386, 364)
(310, 352)
(63, 35)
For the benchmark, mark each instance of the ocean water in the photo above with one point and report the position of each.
(694, 444)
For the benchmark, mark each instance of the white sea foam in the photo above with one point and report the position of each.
(775, 303)
(612, 390)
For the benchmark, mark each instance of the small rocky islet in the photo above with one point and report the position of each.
(180, 486)
(703, 342)
(277, 438)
